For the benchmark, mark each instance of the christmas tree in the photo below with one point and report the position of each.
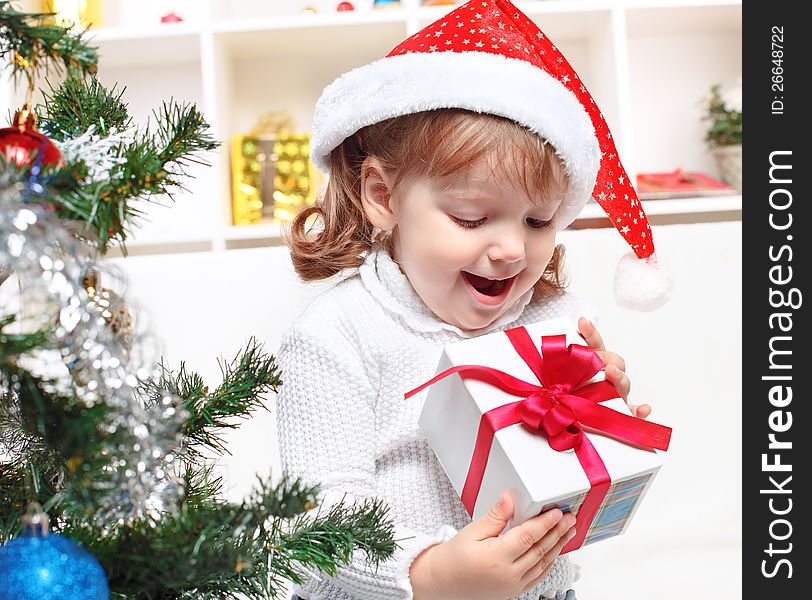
(109, 441)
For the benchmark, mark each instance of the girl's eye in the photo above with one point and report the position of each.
(534, 223)
(538, 223)
(467, 224)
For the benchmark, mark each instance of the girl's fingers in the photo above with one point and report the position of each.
(611, 358)
(544, 545)
(523, 538)
(641, 411)
(590, 334)
(615, 366)
(620, 380)
(542, 568)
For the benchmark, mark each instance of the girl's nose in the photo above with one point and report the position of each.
(507, 247)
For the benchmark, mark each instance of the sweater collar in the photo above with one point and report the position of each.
(391, 288)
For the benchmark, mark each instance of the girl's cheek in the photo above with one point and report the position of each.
(542, 252)
(448, 240)
(459, 250)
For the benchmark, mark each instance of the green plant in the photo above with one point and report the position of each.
(723, 109)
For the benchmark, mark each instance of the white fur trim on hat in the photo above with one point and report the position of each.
(476, 81)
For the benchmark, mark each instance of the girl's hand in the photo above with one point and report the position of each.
(478, 564)
(615, 366)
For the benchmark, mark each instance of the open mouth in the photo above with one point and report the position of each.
(489, 290)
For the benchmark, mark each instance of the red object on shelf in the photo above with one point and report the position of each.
(679, 184)
(344, 6)
(171, 18)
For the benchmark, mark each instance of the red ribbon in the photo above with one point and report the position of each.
(559, 409)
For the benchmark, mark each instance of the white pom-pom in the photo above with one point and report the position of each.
(641, 284)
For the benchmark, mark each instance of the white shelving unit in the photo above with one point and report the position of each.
(647, 63)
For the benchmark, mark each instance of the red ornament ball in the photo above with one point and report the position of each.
(22, 144)
(344, 6)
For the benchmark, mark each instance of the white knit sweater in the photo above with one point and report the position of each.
(346, 362)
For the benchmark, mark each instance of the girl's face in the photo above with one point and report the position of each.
(470, 244)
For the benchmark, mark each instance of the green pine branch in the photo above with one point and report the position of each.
(29, 471)
(152, 165)
(12, 345)
(223, 550)
(30, 45)
(71, 109)
(37, 478)
(246, 379)
(53, 441)
(207, 548)
(61, 422)
(179, 135)
(201, 485)
(284, 500)
(70, 450)
(14, 499)
(328, 540)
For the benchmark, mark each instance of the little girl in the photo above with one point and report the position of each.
(453, 162)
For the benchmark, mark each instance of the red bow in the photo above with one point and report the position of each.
(547, 413)
(559, 408)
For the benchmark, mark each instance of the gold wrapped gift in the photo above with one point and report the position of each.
(81, 13)
(272, 176)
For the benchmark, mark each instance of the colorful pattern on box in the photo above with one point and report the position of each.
(615, 511)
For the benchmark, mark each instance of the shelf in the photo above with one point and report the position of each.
(230, 10)
(142, 32)
(253, 232)
(171, 43)
(297, 38)
(685, 17)
(582, 15)
(561, 21)
(154, 249)
(676, 210)
(676, 206)
(648, 63)
(531, 8)
(667, 130)
(321, 20)
(684, 207)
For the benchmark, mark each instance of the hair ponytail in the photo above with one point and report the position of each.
(339, 233)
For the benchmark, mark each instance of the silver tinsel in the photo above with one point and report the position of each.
(100, 154)
(97, 366)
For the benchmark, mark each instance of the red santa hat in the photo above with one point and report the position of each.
(487, 56)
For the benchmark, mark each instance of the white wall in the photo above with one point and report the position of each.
(684, 359)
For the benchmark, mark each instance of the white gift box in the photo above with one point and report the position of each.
(522, 461)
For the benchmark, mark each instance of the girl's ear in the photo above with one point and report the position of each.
(376, 194)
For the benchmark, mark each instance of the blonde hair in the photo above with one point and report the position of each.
(436, 143)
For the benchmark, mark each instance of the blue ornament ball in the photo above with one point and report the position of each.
(53, 567)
